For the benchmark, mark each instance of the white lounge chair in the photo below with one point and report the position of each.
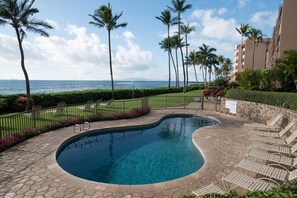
(211, 188)
(270, 126)
(276, 148)
(88, 106)
(279, 172)
(248, 182)
(107, 104)
(277, 141)
(272, 157)
(273, 134)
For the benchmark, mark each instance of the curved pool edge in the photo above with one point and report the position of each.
(55, 167)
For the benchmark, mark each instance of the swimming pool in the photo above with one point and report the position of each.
(142, 155)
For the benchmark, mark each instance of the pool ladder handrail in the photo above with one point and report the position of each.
(79, 128)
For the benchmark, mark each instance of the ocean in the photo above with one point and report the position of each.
(48, 86)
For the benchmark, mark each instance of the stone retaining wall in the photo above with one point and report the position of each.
(258, 112)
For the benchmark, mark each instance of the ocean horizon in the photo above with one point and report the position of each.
(52, 86)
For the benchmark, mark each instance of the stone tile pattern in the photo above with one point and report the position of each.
(29, 169)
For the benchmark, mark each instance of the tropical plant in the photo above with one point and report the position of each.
(166, 45)
(19, 14)
(256, 36)
(187, 29)
(179, 7)
(194, 59)
(103, 17)
(168, 20)
(243, 30)
(207, 59)
(284, 70)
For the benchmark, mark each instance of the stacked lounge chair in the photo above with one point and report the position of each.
(277, 148)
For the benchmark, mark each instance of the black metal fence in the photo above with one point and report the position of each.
(20, 123)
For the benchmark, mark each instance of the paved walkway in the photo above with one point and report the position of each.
(30, 170)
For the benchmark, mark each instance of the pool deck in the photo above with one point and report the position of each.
(29, 169)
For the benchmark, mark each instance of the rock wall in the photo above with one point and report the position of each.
(259, 112)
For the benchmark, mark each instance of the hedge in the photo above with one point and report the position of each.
(280, 99)
(7, 102)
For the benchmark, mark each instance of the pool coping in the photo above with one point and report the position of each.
(171, 188)
(53, 165)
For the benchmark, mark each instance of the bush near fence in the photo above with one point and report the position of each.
(8, 141)
(75, 97)
(280, 99)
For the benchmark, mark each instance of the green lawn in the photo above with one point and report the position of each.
(17, 122)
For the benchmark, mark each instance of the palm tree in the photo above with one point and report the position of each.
(167, 20)
(187, 29)
(179, 7)
(256, 36)
(103, 17)
(194, 59)
(175, 43)
(166, 45)
(243, 30)
(19, 14)
(207, 56)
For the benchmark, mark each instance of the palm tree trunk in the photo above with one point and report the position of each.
(174, 68)
(205, 70)
(110, 65)
(187, 65)
(253, 56)
(184, 70)
(169, 70)
(169, 65)
(241, 53)
(24, 70)
(209, 75)
(195, 74)
(177, 70)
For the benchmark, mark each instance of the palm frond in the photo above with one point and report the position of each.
(37, 31)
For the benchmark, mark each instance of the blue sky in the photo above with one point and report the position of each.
(77, 50)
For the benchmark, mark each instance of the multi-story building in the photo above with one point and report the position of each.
(284, 38)
(244, 58)
(284, 35)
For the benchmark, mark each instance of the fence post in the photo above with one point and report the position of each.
(184, 102)
(123, 105)
(66, 109)
(202, 102)
(34, 119)
(216, 106)
(165, 102)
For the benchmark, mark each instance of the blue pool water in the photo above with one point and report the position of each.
(136, 156)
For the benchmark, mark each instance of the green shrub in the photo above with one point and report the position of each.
(280, 99)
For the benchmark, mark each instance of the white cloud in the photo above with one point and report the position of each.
(243, 3)
(215, 27)
(81, 56)
(222, 11)
(264, 18)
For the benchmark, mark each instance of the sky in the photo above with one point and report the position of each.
(77, 50)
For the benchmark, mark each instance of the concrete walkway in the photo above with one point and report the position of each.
(29, 169)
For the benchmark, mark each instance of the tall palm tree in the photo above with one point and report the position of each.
(19, 14)
(103, 17)
(194, 59)
(175, 43)
(187, 29)
(243, 30)
(256, 36)
(207, 55)
(167, 20)
(166, 45)
(179, 7)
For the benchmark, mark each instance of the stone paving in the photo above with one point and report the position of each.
(29, 169)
